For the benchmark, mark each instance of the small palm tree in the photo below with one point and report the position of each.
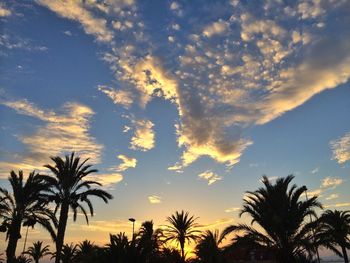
(22, 259)
(70, 190)
(68, 253)
(37, 251)
(26, 205)
(181, 230)
(208, 248)
(86, 252)
(334, 232)
(119, 248)
(280, 213)
(149, 241)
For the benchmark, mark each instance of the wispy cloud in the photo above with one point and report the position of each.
(78, 11)
(155, 199)
(232, 209)
(315, 171)
(332, 196)
(341, 148)
(121, 97)
(62, 132)
(337, 205)
(210, 177)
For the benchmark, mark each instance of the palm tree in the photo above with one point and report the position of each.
(149, 241)
(278, 210)
(86, 252)
(334, 232)
(181, 230)
(208, 248)
(37, 251)
(22, 259)
(26, 205)
(68, 253)
(119, 248)
(70, 190)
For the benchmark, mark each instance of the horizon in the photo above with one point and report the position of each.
(180, 106)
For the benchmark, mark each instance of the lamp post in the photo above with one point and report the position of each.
(133, 227)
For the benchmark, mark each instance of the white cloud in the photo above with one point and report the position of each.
(316, 192)
(210, 177)
(341, 148)
(331, 182)
(127, 162)
(144, 135)
(215, 28)
(315, 171)
(155, 199)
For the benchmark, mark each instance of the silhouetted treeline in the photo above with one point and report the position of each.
(289, 228)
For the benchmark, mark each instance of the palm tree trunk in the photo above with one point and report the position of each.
(61, 230)
(345, 254)
(182, 251)
(15, 231)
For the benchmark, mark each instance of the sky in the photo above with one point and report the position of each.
(178, 104)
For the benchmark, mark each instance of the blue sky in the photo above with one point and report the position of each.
(180, 104)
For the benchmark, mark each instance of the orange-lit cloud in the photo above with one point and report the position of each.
(155, 199)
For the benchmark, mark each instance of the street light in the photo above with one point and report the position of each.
(133, 226)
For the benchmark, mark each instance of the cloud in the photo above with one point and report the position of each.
(315, 171)
(337, 205)
(155, 199)
(78, 11)
(62, 132)
(341, 149)
(210, 177)
(106, 179)
(331, 182)
(127, 162)
(122, 97)
(4, 11)
(14, 42)
(143, 138)
(332, 196)
(215, 28)
(232, 209)
(316, 192)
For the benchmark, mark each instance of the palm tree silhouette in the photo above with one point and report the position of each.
(70, 190)
(208, 247)
(119, 248)
(148, 241)
(278, 210)
(86, 252)
(334, 230)
(181, 230)
(37, 251)
(68, 253)
(26, 205)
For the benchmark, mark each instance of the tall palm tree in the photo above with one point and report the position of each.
(280, 212)
(208, 247)
(37, 251)
(334, 232)
(181, 229)
(70, 190)
(28, 205)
